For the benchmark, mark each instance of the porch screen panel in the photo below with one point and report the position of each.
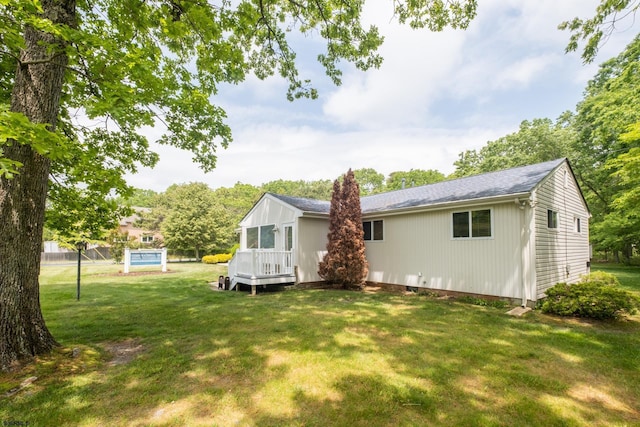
(252, 238)
(267, 239)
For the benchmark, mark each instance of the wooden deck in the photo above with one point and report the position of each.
(256, 267)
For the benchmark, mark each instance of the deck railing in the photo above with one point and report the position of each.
(263, 263)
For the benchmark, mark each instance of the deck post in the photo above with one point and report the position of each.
(254, 261)
(253, 289)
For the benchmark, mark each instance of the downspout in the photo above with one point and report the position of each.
(528, 208)
(524, 247)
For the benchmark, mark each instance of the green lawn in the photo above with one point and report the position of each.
(187, 355)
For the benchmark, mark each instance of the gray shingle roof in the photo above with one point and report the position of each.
(305, 205)
(493, 184)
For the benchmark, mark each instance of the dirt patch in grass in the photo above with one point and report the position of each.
(123, 352)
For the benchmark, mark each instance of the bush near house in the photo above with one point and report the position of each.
(215, 259)
(597, 296)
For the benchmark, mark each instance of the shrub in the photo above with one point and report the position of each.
(210, 259)
(224, 257)
(596, 299)
(215, 259)
(601, 277)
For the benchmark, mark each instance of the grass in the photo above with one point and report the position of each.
(629, 276)
(186, 355)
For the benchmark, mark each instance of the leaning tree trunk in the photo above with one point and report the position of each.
(36, 93)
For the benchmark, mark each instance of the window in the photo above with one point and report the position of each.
(461, 224)
(481, 223)
(373, 230)
(261, 237)
(576, 225)
(288, 238)
(267, 239)
(552, 219)
(146, 238)
(472, 224)
(252, 237)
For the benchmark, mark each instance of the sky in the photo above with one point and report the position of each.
(435, 96)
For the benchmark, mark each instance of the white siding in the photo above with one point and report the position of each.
(419, 250)
(311, 247)
(562, 253)
(267, 211)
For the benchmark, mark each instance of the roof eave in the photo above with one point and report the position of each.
(449, 205)
(309, 214)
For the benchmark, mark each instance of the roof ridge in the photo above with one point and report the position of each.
(476, 176)
(516, 180)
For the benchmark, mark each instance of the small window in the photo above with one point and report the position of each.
(288, 238)
(576, 225)
(472, 224)
(146, 238)
(552, 219)
(373, 230)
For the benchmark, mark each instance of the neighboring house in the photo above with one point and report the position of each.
(509, 234)
(128, 225)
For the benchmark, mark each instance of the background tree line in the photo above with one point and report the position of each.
(195, 219)
(601, 138)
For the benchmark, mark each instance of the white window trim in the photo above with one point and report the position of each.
(451, 237)
(260, 236)
(383, 230)
(557, 227)
(577, 225)
(147, 238)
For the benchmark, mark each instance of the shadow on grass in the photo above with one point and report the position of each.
(324, 358)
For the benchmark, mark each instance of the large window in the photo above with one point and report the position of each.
(261, 237)
(267, 239)
(253, 235)
(472, 224)
(373, 230)
(552, 219)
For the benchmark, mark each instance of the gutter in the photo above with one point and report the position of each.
(449, 205)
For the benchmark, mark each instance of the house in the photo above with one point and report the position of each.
(128, 225)
(508, 234)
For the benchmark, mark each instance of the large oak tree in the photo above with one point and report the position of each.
(79, 79)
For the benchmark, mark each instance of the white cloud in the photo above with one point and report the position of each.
(404, 88)
(524, 71)
(435, 96)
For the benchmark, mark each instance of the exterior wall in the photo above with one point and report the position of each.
(418, 250)
(138, 233)
(311, 246)
(267, 212)
(561, 253)
(127, 226)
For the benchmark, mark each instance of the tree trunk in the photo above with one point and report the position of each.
(36, 93)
